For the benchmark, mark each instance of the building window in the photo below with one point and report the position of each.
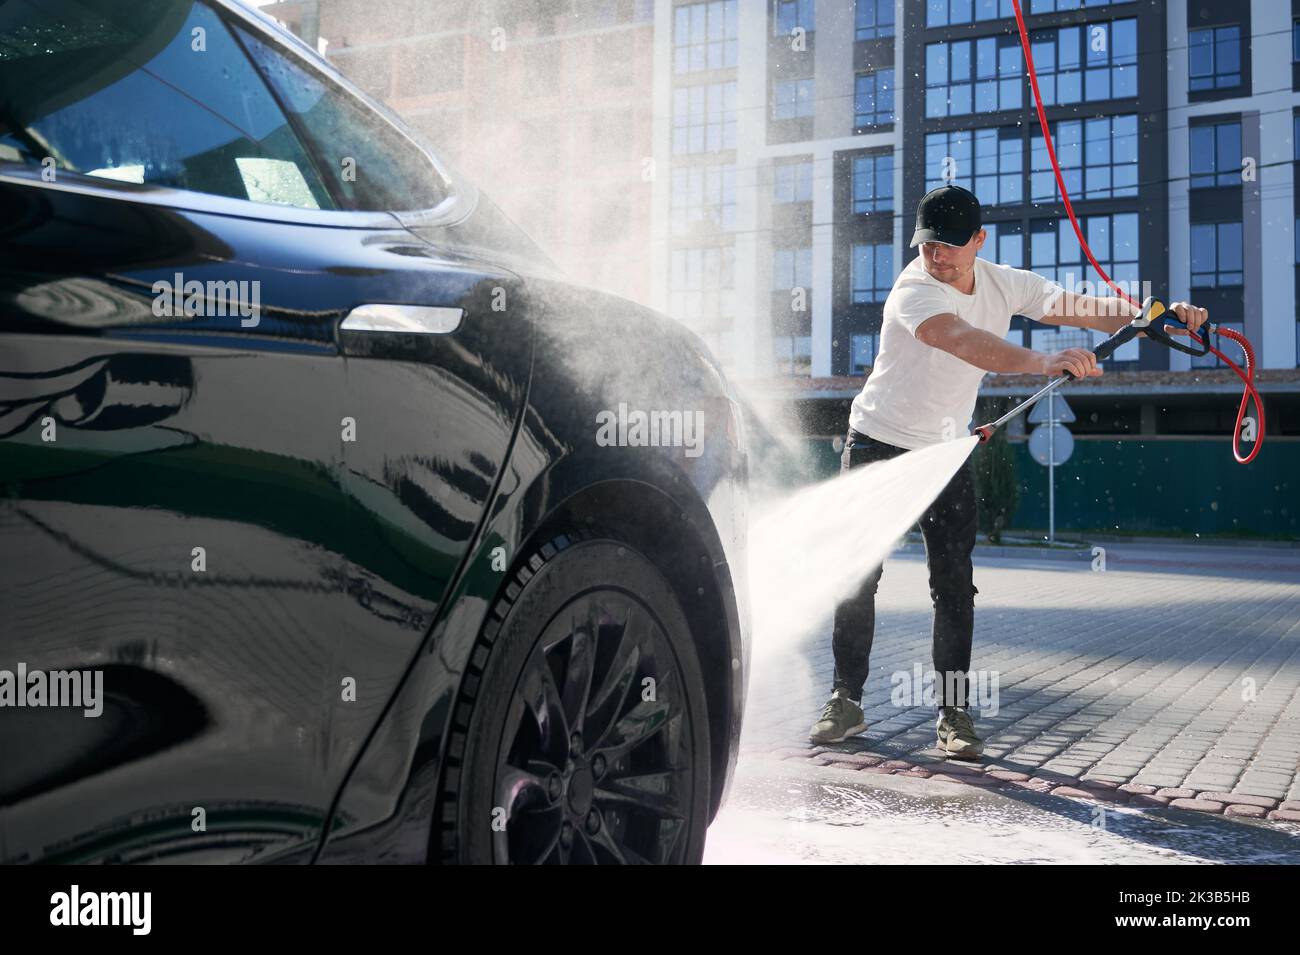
(999, 165)
(610, 220)
(1004, 244)
(873, 98)
(1056, 6)
(872, 272)
(542, 67)
(704, 195)
(1057, 339)
(702, 285)
(862, 353)
(1212, 360)
(615, 52)
(1214, 58)
(791, 268)
(988, 162)
(873, 183)
(1098, 159)
(1051, 339)
(705, 36)
(441, 70)
(1216, 254)
(704, 118)
(942, 13)
(792, 99)
(793, 181)
(967, 76)
(1295, 41)
(1054, 252)
(600, 13)
(792, 354)
(794, 14)
(1097, 62)
(949, 159)
(874, 19)
(611, 132)
(1216, 155)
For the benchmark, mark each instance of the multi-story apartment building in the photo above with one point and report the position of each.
(544, 103)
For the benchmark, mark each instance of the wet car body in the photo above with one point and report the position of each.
(280, 538)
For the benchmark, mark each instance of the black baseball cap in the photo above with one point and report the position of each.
(949, 214)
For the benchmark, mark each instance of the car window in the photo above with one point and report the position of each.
(371, 166)
(152, 91)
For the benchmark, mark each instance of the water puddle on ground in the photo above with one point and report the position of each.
(772, 817)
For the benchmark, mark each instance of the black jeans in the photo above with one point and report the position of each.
(948, 527)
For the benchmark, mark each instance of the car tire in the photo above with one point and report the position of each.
(581, 732)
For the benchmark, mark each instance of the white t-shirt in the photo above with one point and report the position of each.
(918, 395)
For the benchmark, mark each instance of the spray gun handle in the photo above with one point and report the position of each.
(1142, 323)
(1156, 331)
(1151, 320)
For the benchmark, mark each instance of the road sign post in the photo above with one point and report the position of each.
(1051, 444)
(1051, 468)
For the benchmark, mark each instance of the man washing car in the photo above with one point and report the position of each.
(945, 326)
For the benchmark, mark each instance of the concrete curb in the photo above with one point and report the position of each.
(1265, 543)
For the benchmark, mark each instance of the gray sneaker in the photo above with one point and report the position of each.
(841, 718)
(957, 736)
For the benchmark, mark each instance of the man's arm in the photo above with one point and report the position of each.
(1111, 313)
(1108, 314)
(957, 337)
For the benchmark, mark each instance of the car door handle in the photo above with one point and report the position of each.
(407, 319)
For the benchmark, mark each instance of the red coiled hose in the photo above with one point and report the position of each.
(1247, 375)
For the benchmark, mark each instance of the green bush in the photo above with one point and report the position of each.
(996, 485)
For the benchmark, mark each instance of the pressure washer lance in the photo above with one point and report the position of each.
(1151, 320)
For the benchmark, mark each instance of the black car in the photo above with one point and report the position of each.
(335, 524)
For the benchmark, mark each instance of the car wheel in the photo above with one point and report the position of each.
(581, 732)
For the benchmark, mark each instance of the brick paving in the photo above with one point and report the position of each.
(1126, 685)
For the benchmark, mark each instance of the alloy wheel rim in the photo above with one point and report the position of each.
(595, 757)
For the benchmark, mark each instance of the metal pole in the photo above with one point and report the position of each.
(1051, 467)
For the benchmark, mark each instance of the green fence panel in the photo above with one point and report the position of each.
(1176, 487)
(1165, 487)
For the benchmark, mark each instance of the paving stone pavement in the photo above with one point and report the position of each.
(1159, 688)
